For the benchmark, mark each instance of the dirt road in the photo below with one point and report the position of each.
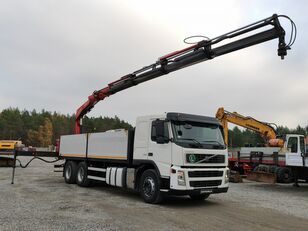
(40, 200)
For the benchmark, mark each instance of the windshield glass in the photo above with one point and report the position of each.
(198, 135)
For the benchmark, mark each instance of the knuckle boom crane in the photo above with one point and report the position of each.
(203, 50)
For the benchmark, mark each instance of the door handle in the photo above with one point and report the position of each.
(150, 154)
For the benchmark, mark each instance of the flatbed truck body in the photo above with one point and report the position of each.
(173, 153)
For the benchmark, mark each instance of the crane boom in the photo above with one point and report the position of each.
(199, 52)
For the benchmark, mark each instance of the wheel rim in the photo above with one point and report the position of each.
(148, 187)
(68, 172)
(81, 174)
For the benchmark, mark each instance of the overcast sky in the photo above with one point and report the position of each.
(53, 54)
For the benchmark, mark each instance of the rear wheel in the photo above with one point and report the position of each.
(199, 197)
(70, 172)
(150, 187)
(285, 175)
(82, 175)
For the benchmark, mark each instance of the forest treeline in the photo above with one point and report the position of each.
(40, 129)
(241, 138)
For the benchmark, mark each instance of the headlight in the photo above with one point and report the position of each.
(181, 178)
(227, 176)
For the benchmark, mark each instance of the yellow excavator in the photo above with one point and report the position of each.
(285, 159)
(264, 129)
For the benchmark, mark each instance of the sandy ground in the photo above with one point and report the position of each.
(40, 200)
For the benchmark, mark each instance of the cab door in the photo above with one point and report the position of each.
(159, 150)
(295, 155)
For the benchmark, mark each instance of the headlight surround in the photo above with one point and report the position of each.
(181, 178)
(227, 176)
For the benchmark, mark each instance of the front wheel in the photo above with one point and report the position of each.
(199, 197)
(150, 187)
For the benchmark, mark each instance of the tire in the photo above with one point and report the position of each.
(82, 175)
(284, 175)
(199, 197)
(272, 169)
(277, 170)
(264, 168)
(70, 172)
(149, 187)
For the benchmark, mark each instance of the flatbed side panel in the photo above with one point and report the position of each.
(245, 151)
(108, 145)
(73, 145)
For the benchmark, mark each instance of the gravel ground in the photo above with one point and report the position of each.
(40, 200)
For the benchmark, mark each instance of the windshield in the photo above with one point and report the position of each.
(198, 135)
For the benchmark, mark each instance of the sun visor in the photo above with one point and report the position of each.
(188, 117)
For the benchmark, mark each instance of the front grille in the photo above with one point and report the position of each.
(208, 183)
(205, 158)
(205, 173)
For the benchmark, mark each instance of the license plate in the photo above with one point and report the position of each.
(206, 191)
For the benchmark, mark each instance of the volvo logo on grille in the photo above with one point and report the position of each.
(205, 158)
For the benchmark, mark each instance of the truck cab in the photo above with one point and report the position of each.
(188, 152)
(296, 154)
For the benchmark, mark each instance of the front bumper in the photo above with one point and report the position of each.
(206, 180)
(195, 191)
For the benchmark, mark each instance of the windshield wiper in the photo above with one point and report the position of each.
(196, 141)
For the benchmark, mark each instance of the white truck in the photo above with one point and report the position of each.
(173, 153)
(289, 162)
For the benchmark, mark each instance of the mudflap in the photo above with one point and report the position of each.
(265, 177)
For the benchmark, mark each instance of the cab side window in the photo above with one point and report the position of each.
(292, 144)
(153, 131)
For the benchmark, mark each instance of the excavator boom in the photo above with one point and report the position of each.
(199, 52)
(263, 128)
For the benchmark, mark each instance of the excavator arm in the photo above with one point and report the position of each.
(263, 128)
(199, 52)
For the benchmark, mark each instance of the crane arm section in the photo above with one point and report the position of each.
(199, 52)
(263, 128)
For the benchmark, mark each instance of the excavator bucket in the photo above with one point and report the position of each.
(265, 177)
(235, 177)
